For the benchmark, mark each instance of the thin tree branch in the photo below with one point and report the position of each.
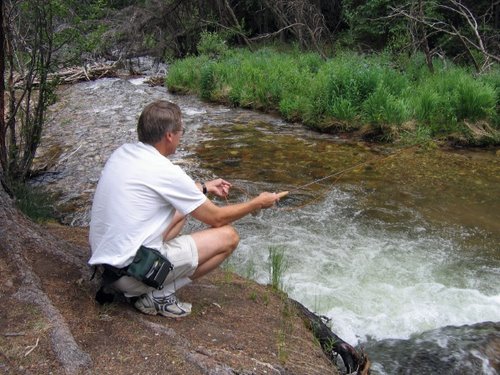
(449, 29)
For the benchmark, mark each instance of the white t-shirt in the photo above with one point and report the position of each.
(135, 201)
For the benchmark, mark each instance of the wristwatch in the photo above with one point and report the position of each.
(204, 187)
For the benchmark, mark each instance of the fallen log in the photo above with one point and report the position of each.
(77, 74)
(354, 362)
(71, 75)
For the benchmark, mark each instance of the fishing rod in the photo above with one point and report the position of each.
(339, 173)
(302, 187)
(294, 189)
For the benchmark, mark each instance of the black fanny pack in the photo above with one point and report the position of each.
(150, 267)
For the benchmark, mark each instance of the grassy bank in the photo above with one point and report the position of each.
(373, 96)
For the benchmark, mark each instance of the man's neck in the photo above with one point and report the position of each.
(163, 148)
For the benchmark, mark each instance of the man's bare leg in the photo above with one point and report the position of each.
(214, 246)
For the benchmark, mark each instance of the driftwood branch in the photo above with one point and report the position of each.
(236, 23)
(333, 345)
(270, 35)
(73, 75)
(303, 19)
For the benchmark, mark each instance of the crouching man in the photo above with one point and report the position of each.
(141, 202)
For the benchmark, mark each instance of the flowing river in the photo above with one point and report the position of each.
(399, 248)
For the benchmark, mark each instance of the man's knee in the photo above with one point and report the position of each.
(232, 236)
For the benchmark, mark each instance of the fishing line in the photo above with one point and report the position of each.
(337, 174)
(329, 176)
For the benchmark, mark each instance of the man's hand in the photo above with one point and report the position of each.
(218, 187)
(267, 200)
(216, 216)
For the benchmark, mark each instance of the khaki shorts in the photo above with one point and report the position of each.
(182, 253)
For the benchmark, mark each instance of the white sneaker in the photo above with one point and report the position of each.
(167, 306)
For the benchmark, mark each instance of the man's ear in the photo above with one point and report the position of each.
(169, 136)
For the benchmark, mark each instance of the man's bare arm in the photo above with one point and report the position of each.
(175, 226)
(216, 216)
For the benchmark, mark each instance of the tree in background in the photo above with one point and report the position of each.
(463, 30)
(172, 28)
(466, 31)
(33, 33)
(454, 23)
(27, 47)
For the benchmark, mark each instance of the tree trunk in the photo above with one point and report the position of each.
(3, 154)
(423, 35)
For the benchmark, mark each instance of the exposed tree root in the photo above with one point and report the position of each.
(333, 345)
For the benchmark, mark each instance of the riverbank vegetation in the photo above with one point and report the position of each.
(371, 95)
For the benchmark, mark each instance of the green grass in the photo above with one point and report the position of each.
(277, 266)
(35, 203)
(348, 92)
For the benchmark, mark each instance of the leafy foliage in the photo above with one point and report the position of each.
(37, 37)
(211, 44)
(33, 202)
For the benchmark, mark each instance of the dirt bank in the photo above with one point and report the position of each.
(51, 323)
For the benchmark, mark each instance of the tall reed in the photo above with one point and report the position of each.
(277, 266)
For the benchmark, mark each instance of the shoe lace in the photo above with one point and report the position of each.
(166, 300)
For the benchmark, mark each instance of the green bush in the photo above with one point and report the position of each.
(343, 109)
(207, 80)
(429, 107)
(383, 108)
(35, 203)
(492, 79)
(184, 75)
(473, 100)
(444, 100)
(211, 44)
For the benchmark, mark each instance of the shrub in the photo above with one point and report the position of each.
(444, 100)
(343, 109)
(492, 79)
(472, 100)
(385, 112)
(35, 203)
(347, 91)
(211, 44)
(207, 80)
(184, 75)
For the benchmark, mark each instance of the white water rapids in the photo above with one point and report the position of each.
(371, 281)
